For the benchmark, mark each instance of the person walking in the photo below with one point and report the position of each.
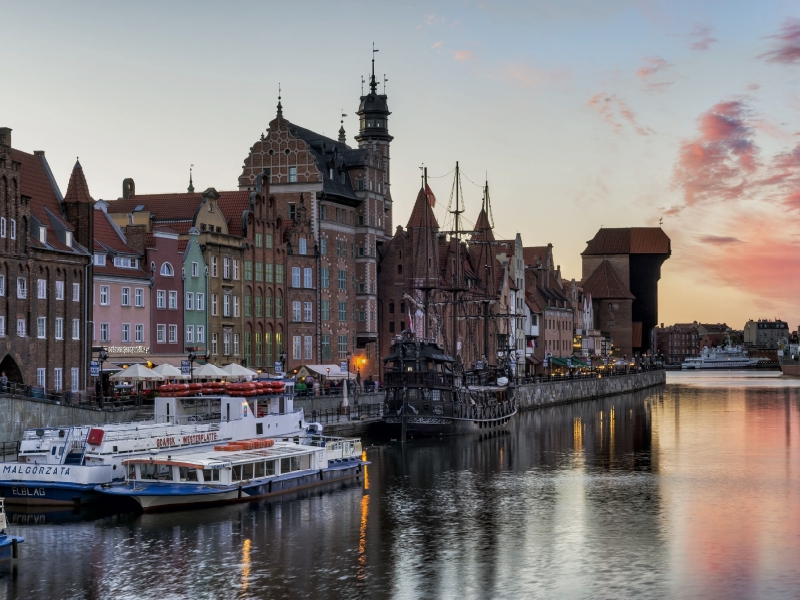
(4, 383)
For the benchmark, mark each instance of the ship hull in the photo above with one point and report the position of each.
(419, 425)
(791, 368)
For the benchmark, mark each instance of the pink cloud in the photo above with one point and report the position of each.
(437, 45)
(530, 76)
(716, 164)
(719, 240)
(792, 201)
(702, 38)
(614, 111)
(753, 87)
(463, 55)
(786, 48)
(651, 72)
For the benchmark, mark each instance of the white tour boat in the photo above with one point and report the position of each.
(729, 357)
(237, 472)
(62, 465)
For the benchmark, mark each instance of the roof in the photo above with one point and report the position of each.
(483, 229)
(233, 205)
(629, 240)
(422, 213)
(107, 237)
(77, 189)
(531, 253)
(604, 283)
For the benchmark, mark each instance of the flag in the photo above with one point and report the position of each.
(410, 322)
(429, 195)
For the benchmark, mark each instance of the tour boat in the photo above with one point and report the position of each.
(63, 465)
(236, 472)
(9, 544)
(729, 357)
(789, 358)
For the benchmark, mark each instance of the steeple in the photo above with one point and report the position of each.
(484, 225)
(77, 189)
(373, 112)
(190, 189)
(280, 107)
(422, 213)
(342, 137)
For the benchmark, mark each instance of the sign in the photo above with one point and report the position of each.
(343, 367)
(480, 365)
(128, 349)
(94, 369)
(545, 363)
(569, 362)
(278, 366)
(186, 367)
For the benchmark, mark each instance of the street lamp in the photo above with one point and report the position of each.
(349, 355)
(192, 357)
(283, 361)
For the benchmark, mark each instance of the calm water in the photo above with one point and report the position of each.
(691, 491)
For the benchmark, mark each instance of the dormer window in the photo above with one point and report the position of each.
(68, 239)
(43, 234)
(126, 263)
(330, 176)
(100, 260)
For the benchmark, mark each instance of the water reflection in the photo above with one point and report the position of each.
(686, 491)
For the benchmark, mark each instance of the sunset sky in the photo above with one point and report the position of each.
(582, 113)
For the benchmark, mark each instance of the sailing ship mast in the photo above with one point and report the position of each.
(456, 235)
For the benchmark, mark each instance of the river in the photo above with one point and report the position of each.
(686, 491)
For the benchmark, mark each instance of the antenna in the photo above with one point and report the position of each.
(385, 80)
(372, 83)
(362, 85)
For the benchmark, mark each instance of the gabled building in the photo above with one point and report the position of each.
(195, 293)
(45, 265)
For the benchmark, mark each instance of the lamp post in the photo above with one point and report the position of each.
(102, 357)
(192, 357)
(283, 362)
(349, 355)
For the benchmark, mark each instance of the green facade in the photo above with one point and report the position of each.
(195, 297)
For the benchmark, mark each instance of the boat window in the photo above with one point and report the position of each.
(53, 450)
(269, 467)
(162, 472)
(187, 474)
(211, 474)
(131, 472)
(236, 473)
(289, 464)
(259, 469)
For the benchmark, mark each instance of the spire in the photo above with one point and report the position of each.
(190, 189)
(77, 189)
(484, 224)
(422, 213)
(280, 107)
(342, 137)
(373, 85)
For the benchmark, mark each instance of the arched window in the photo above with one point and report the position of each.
(166, 270)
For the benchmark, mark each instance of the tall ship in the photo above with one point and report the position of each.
(451, 371)
(721, 358)
(62, 465)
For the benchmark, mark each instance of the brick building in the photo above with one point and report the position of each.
(676, 343)
(45, 263)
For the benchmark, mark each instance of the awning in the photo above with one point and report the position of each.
(328, 371)
(532, 360)
(567, 362)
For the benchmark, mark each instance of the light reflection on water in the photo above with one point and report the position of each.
(688, 491)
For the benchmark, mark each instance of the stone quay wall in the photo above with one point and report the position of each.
(534, 395)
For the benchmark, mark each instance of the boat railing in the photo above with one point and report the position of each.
(160, 431)
(419, 378)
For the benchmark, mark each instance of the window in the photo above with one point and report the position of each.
(75, 383)
(76, 329)
(76, 292)
(173, 334)
(399, 269)
(213, 266)
(173, 300)
(195, 269)
(214, 344)
(308, 346)
(100, 260)
(59, 328)
(127, 263)
(22, 287)
(236, 344)
(268, 273)
(189, 334)
(161, 299)
(248, 306)
(166, 270)
(161, 334)
(248, 270)
(199, 301)
(391, 326)
(126, 333)
(189, 301)
(296, 347)
(258, 307)
(248, 347)
(307, 312)
(278, 273)
(21, 329)
(343, 311)
(342, 280)
(41, 377)
(2, 327)
(325, 347)
(342, 346)
(200, 331)
(2, 285)
(325, 278)
(296, 311)
(323, 246)
(292, 179)
(258, 349)
(58, 379)
(308, 276)
(267, 240)
(259, 272)
(362, 315)
(59, 290)
(226, 268)
(226, 305)
(41, 288)
(236, 306)
(126, 296)
(259, 240)
(302, 245)
(235, 269)
(105, 332)
(41, 327)
(325, 310)
(296, 277)
(105, 295)
(278, 308)
(13, 229)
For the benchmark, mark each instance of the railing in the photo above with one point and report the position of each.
(74, 398)
(607, 372)
(347, 413)
(9, 450)
(159, 431)
(427, 378)
(365, 387)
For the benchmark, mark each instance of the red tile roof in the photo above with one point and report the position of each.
(77, 189)
(422, 213)
(531, 253)
(604, 283)
(483, 228)
(182, 245)
(233, 205)
(629, 240)
(106, 236)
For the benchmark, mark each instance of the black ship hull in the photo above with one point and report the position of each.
(424, 426)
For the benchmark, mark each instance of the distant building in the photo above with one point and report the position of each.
(675, 343)
(621, 269)
(765, 334)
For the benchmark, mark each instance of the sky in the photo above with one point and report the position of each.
(581, 114)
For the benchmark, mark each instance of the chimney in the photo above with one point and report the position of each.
(5, 138)
(128, 188)
(136, 237)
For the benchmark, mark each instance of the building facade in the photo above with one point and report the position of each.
(195, 293)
